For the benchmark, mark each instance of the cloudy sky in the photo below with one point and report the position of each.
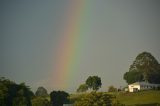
(53, 43)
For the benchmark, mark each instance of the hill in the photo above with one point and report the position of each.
(142, 97)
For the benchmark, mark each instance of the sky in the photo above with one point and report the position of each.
(57, 44)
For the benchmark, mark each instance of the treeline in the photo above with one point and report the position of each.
(144, 68)
(12, 94)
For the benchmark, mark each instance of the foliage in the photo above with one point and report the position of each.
(144, 68)
(58, 98)
(133, 76)
(41, 91)
(112, 89)
(95, 99)
(12, 94)
(82, 88)
(94, 82)
(40, 101)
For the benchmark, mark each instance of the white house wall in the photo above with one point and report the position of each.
(132, 87)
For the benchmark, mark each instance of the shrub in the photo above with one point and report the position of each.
(58, 98)
(40, 101)
(95, 99)
(112, 89)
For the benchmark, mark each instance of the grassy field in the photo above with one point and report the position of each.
(142, 97)
(131, 99)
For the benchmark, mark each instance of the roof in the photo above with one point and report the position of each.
(143, 83)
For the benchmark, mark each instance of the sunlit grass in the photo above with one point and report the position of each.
(142, 97)
(129, 99)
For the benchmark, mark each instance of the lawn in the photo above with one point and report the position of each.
(131, 99)
(142, 97)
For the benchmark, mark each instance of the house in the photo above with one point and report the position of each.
(137, 86)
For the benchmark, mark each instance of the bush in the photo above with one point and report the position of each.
(95, 99)
(112, 89)
(58, 98)
(40, 101)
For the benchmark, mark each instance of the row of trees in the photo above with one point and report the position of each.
(94, 83)
(144, 68)
(12, 94)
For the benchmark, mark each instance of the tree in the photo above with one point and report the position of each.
(144, 68)
(112, 89)
(82, 88)
(12, 94)
(94, 82)
(58, 98)
(41, 91)
(133, 76)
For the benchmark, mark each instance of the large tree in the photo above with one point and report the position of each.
(94, 82)
(144, 68)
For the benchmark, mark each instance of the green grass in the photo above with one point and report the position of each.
(131, 99)
(48, 98)
(142, 97)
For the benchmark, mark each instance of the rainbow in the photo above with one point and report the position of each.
(70, 45)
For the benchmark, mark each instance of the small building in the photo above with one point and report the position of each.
(137, 86)
(126, 89)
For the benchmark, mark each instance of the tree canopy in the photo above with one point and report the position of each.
(112, 89)
(40, 101)
(12, 94)
(94, 82)
(82, 88)
(144, 68)
(41, 91)
(58, 98)
(95, 99)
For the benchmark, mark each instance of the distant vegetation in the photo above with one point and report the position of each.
(41, 91)
(40, 98)
(94, 99)
(82, 88)
(12, 94)
(112, 89)
(92, 82)
(144, 68)
(58, 98)
(40, 101)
